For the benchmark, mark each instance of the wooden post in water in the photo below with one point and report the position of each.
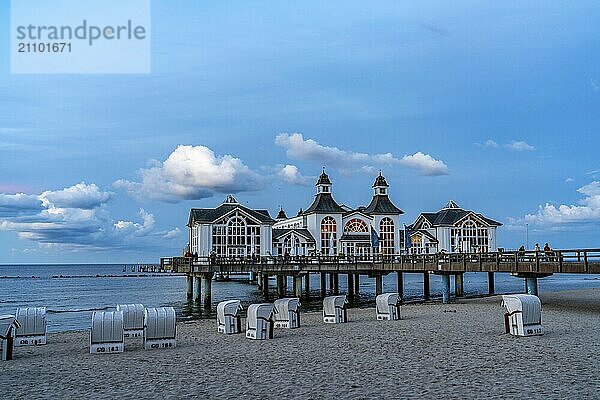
(280, 289)
(350, 285)
(298, 285)
(336, 283)
(259, 280)
(491, 286)
(357, 285)
(206, 289)
(446, 288)
(459, 289)
(400, 284)
(532, 285)
(190, 287)
(198, 288)
(265, 285)
(426, 293)
(307, 285)
(331, 282)
(378, 284)
(323, 284)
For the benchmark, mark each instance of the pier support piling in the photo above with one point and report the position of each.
(336, 283)
(280, 288)
(331, 282)
(400, 284)
(198, 284)
(378, 284)
(265, 285)
(350, 285)
(307, 285)
(426, 293)
(459, 289)
(323, 284)
(298, 285)
(190, 287)
(446, 288)
(491, 286)
(357, 284)
(252, 276)
(259, 281)
(532, 286)
(206, 289)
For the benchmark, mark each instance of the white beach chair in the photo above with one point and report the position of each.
(228, 319)
(133, 320)
(287, 313)
(159, 328)
(259, 322)
(8, 330)
(33, 326)
(523, 316)
(334, 309)
(106, 334)
(387, 306)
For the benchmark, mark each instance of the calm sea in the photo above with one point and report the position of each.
(71, 292)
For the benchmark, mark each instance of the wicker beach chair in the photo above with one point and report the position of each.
(259, 322)
(228, 318)
(387, 306)
(8, 329)
(133, 320)
(334, 309)
(287, 313)
(33, 326)
(106, 333)
(160, 328)
(523, 315)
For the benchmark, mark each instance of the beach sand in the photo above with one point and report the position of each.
(436, 351)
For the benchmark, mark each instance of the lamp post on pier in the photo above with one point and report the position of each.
(527, 236)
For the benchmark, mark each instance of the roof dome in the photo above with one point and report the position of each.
(230, 200)
(281, 214)
(380, 181)
(323, 179)
(452, 204)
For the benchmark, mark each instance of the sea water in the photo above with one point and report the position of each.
(71, 293)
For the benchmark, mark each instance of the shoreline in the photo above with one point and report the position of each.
(455, 350)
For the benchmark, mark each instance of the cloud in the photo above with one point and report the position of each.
(515, 145)
(75, 218)
(569, 180)
(310, 150)
(192, 173)
(520, 146)
(291, 174)
(595, 85)
(551, 216)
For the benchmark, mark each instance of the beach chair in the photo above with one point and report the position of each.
(106, 333)
(133, 320)
(334, 309)
(32, 331)
(287, 313)
(259, 322)
(387, 306)
(8, 330)
(523, 315)
(159, 328)
(228, 319)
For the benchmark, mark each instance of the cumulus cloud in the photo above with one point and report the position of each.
(587, 211)
(291, 174)
(75, 217)
(310, 150)
(515, 145)
(191, 173)
(595, 85)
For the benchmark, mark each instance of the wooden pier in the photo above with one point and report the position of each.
(529, 265)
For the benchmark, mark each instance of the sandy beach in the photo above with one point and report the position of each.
(436, 351)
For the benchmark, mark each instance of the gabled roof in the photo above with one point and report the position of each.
(211, 215)
(381, 204)
(279, 233)
(451, 214)
(324, 203)
(360, 211)
(431, 238)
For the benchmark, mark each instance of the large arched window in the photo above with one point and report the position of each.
(356, 225)
(469, 237)
(386, 235)
(236, 232)
(236, 236)
(328, 236)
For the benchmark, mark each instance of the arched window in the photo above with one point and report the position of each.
(356, 225)
(469, 237)
(328, 236)
(236, 232)
(386, 236)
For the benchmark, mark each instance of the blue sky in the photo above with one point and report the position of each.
(492, 105)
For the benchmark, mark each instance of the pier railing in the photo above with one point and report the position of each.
(537, 262)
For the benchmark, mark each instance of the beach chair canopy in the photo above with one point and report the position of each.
(385, 300)
(133, 316)
(332, 302)
(262, 311)
(229, 307)
(159, 323)
(32, 321)
(529, 305)
(284, 306)
(8, 323)
(107, 327)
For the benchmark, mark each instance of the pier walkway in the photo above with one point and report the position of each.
(529, 265)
